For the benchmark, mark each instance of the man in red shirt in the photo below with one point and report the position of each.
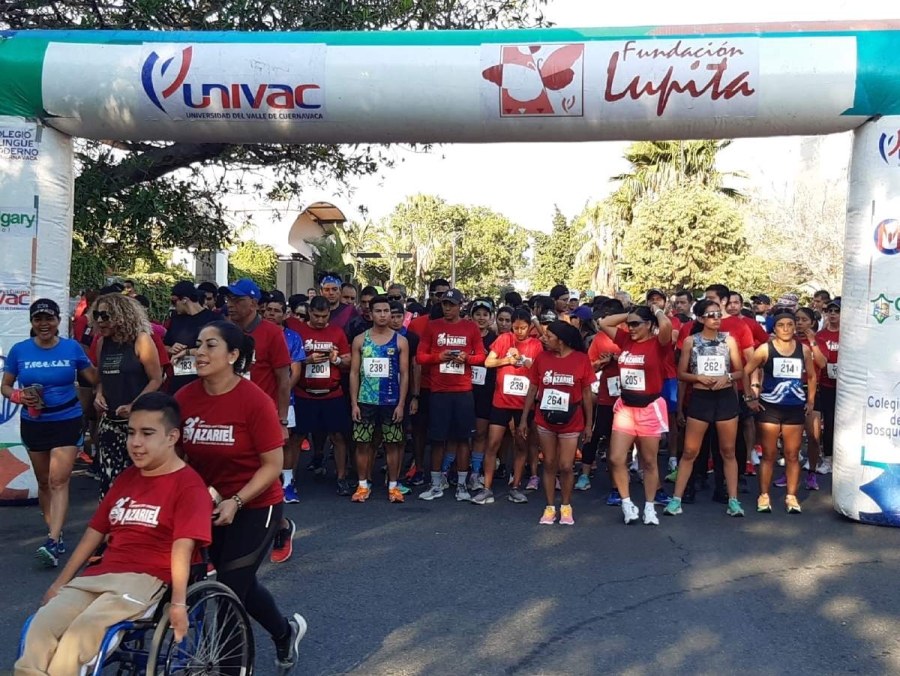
(451, 347)
(420, 423)
(734, 308)
(829, 343)
(657, 299)
(156, 514)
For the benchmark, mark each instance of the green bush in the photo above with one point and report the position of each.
(258, 262)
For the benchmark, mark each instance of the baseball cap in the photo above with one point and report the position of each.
(789, 301)
(834, 302)
(245, 287)
(453, 296)
(481, 302)
(583, 313)
(182, 289)
(655, 292)
(761, 298)
(43, 306)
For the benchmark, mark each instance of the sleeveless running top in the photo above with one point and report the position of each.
(121, 374)
(710, 357)
(783, 377)
(379, 378)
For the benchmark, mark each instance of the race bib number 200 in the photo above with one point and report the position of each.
(321, 371)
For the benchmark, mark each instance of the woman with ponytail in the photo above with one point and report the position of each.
(232, 438)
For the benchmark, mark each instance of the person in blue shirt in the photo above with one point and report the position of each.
(40, 375)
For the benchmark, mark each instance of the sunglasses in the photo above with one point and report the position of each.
(397, 298)
(713, 315)
(101, 316)
(301, 315)
(833, 311)
(439, 294)
(635, 324)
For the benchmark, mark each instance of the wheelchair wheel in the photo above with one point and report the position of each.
(219, 640)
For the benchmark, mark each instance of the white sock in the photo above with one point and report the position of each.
(436, 479)
(462, 478)
(364, 483)
(627, 501)
(649, 507)
(287, 476)
(392, 485)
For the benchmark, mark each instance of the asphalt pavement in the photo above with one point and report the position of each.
(427, 589)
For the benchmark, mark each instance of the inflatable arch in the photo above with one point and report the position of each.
(554, 84)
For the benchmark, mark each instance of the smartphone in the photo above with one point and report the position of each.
(455, 353)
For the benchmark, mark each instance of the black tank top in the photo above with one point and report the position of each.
(121, 374)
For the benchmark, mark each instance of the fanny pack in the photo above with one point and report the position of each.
(560, 418)
(321, 393)
(60, 407)
(638, 400)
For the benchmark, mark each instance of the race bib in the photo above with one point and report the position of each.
(452, 368)
(831, 371)
(783, 367)
(479, 375)
(516, 386)
(614, 386)
(186, 366)
(554, 400)
(633, 380)
(376, 367)
(320, 371)
(710, 365)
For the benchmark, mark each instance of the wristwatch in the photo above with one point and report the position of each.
(284, 423)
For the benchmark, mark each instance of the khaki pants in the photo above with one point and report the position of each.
(66, 634)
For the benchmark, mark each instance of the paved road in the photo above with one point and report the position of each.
(443, 588)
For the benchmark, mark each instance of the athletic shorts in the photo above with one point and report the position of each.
(650, 421)
(38, 436)
(322, 416)
(713, 406)
(372, 416)
(501, 417)
(452, 416)
(746, 411)
(483, 402)
(777, 414)
(670, 393)
(424, 406)
(564, 435)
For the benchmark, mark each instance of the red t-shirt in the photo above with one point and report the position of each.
(269, 355)
(757, 331)
(513, 381)
(157, 341)
(224, 435)
(609, 385)
(561, 382)
(442, 335)
(324, 376)
(417, 326)
(669, 369)
(641, 365)
(294, 324)
(737, 329)
(79, 326)
(829, 343)
(144, 515)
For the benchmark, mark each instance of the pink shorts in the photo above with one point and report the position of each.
(651, 421)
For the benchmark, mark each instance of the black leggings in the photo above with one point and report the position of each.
(237, 551)
(603, 418)
(827, 399)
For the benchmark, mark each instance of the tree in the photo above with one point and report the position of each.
(132, 199)
(554, 254)
(688, 237)
(258, 262)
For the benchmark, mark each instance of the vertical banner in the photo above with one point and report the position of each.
(867, 443)
(36, 202)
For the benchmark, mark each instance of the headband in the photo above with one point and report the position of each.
(330, 280)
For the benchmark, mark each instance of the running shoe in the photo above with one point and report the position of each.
(650, 518)
(48, 554)
(756, 454)
(517, 496)
(362, 494)
(445, 483)
(290, 495)
(304, 445)
(630, 512)
(720, 496)
(411, 472)
(433, 493)
(565, 516)
(395, 494)
(750, 469)
(805, 465)
(672, 476)
(61, 545)
(742, 485)
(673, 464)
(791, 505)
(662, 498)
(452, 479)
(734, 508)
(673, 508)
(781, 481)
(404, 490)
(287, 650)
(484, 497)
(343, 488)
(475, 482)
(317, 465)
(418, 479)
(824, 466)
(583, 483)
(532, 484)
(85, 458)
(283, 546)
(558, 487)
(549, 517)
(812, 484)
(764, 504)
(462, 495)
(781, 461)
(578, 456)
(614, 499)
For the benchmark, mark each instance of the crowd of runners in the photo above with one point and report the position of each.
(493, 396)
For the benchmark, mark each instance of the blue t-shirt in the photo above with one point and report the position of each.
(55, 368)
(295, 349)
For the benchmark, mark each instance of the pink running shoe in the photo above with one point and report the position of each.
(549, 517)
(532, 484)
(565, 516)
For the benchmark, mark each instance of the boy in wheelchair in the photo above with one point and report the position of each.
(157, 515)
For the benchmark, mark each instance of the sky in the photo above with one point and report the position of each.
(572, 174)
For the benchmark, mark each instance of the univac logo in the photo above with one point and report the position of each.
(155, 75)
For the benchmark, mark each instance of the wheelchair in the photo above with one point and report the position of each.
(219, 639)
